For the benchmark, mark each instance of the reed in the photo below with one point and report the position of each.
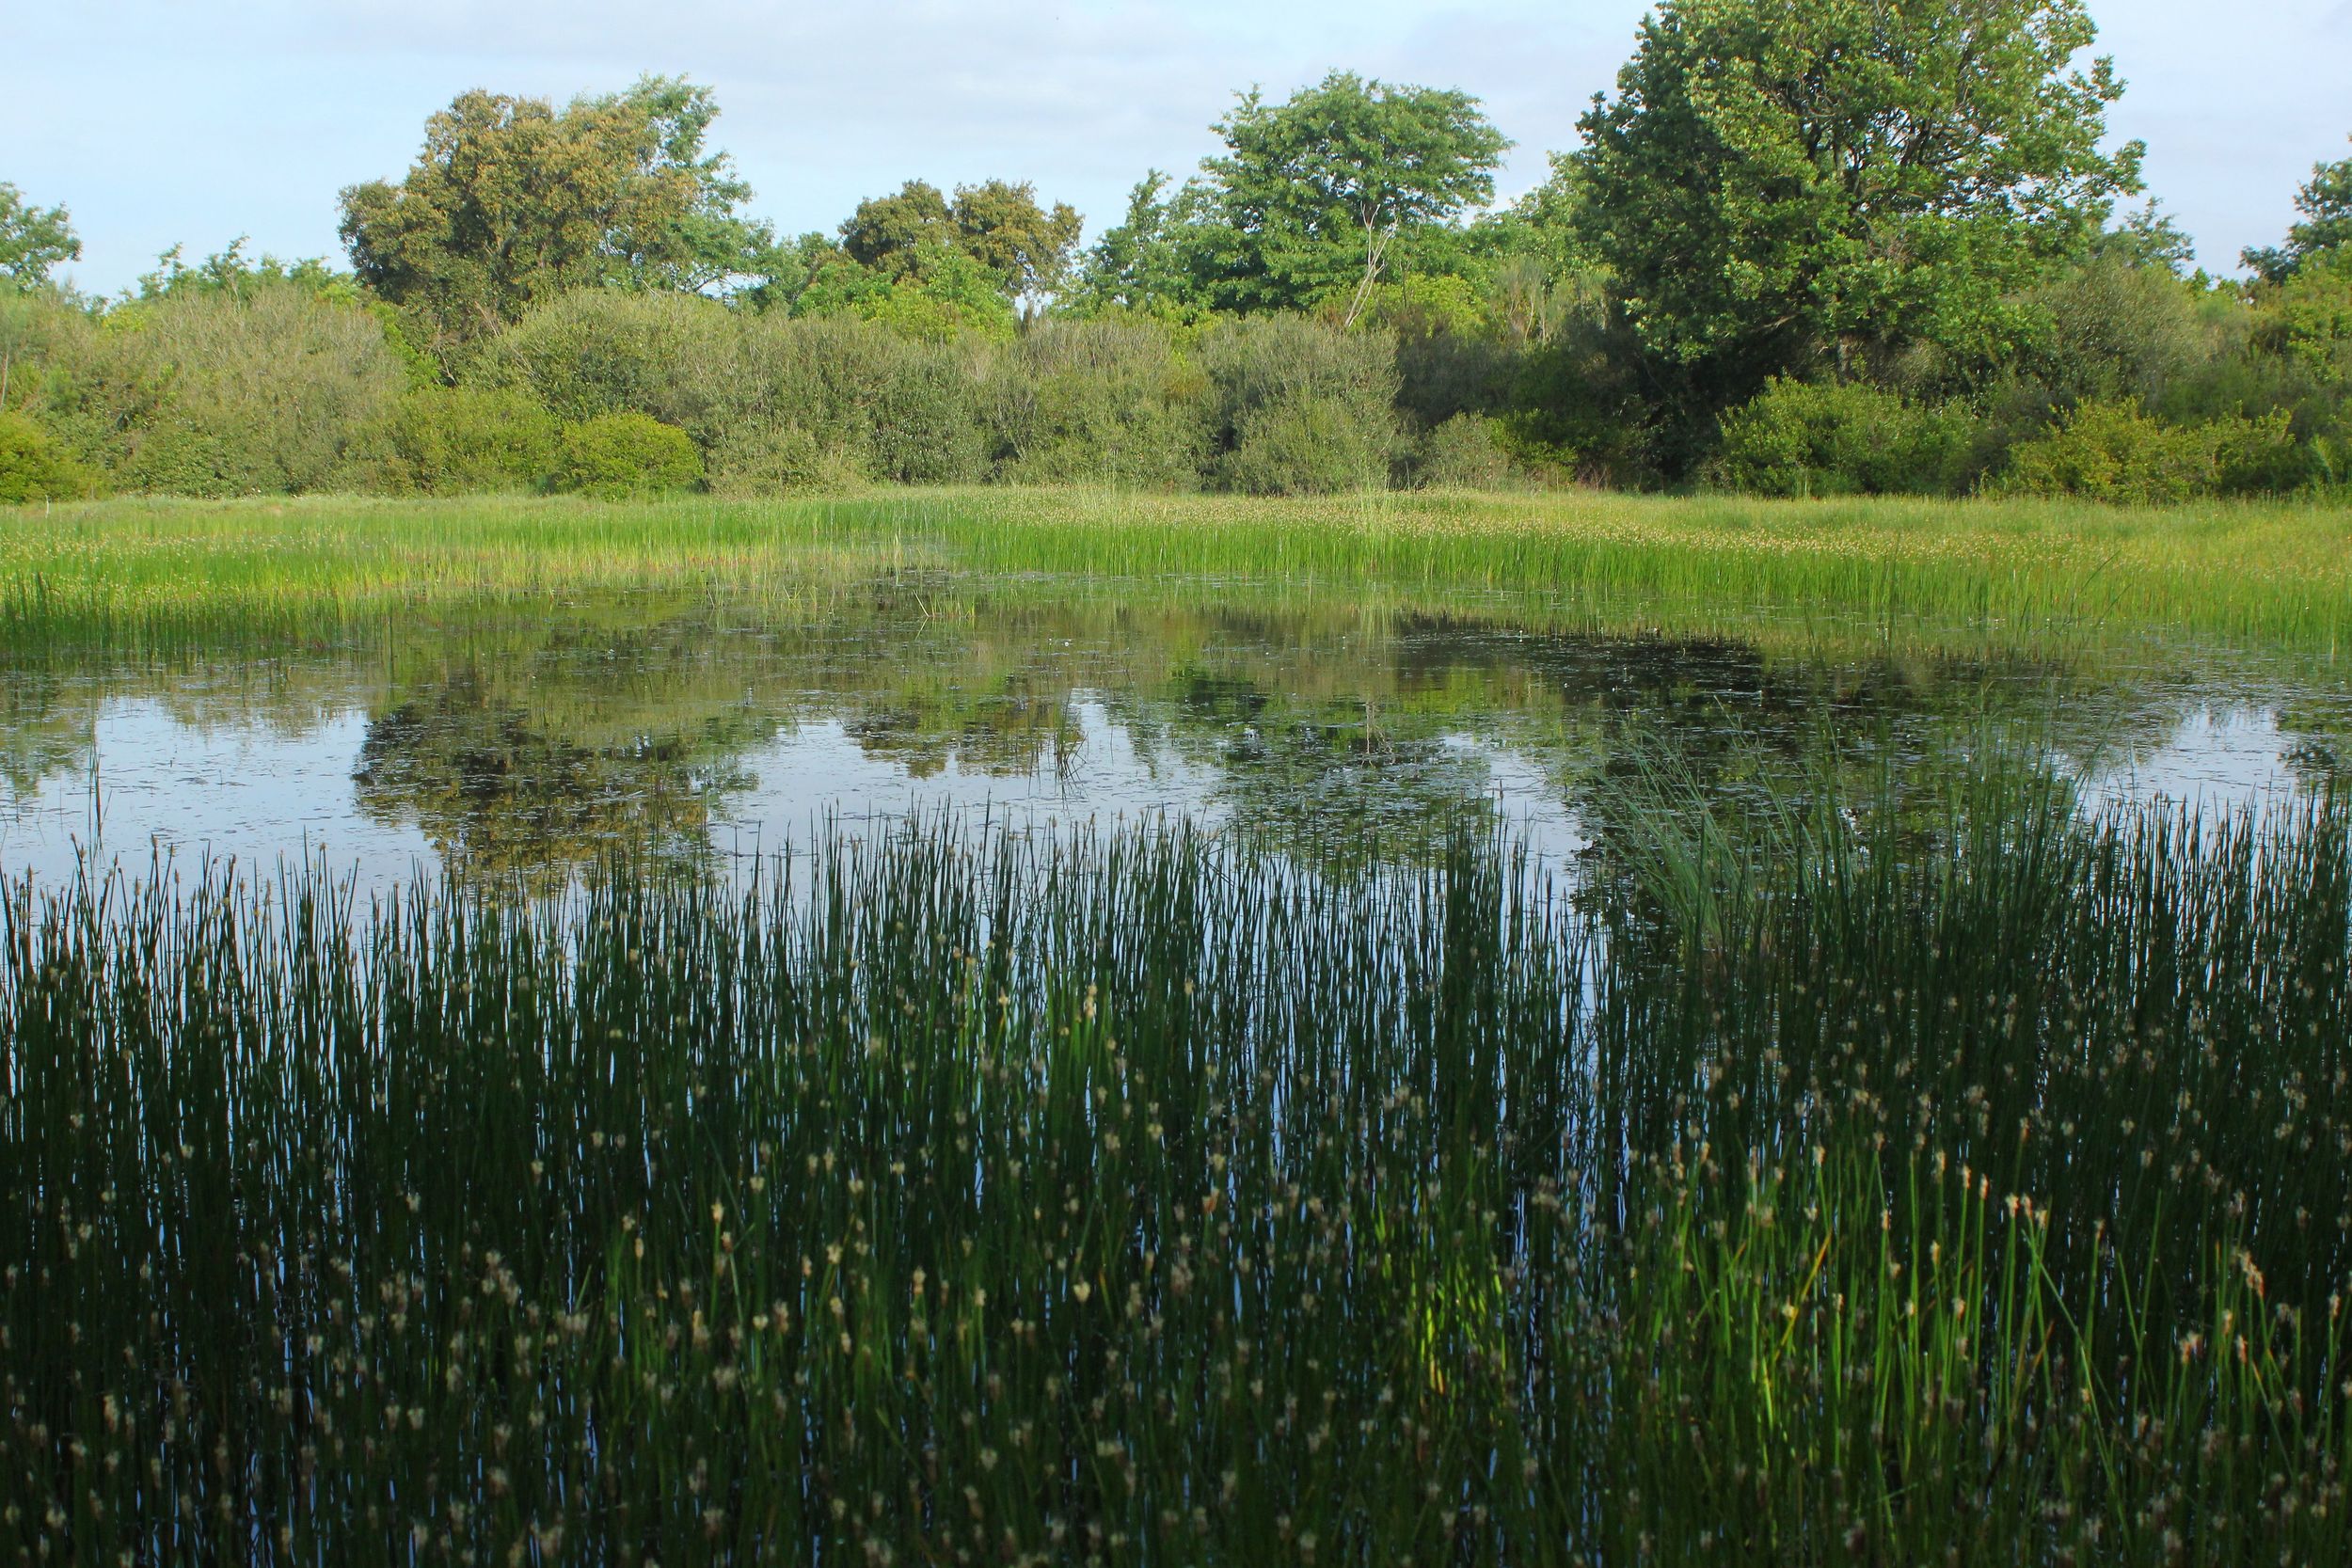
(133, 571)
(1972, 1189)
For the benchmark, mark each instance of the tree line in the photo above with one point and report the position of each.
(1850, 246)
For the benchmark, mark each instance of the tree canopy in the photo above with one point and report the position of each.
(513, 200)
(1316, 189)
(999, 223)
(2325, 203)
(1777, 183)
(33, 240)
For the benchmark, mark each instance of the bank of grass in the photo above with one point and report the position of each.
(1973, 1194)
(133, 571)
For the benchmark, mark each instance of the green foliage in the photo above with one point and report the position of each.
(233, 272)
(2114, 451)
(1024, 249)
(1315, 190)
(2110, 328)
(33, 241)
(1297, 407)
(275, 387)
(1311, 444)
(2325, 203)
(1840, 438)
(1582, 405)
(753, 460)
(925, 426)
(2148, 237)
(602, 351)
(512, 202)
(2307, 319)
(948, 295)
(34, 466)
(1150, 263)
(468, 440)
(1775, 185)
(616, 455)
(1466, 452)
(1097, 402)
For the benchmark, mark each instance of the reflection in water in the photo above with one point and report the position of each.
(670, 732)
(498, 789)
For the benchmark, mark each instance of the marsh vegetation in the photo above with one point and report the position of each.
(1973, 1192)
(1660, 875)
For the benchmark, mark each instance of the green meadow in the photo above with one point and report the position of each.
(2280, 572)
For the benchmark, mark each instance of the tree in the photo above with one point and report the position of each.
(1318, 189)
(2325, 203)
(233, 272)
(1143, 263)
(1001, 225)
(513, 200)
(887, 231)
(1780, 183)
(998, 224)
(2149, 237)
(33, 240)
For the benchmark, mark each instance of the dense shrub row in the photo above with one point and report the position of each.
(2142, 388)
(281, 388)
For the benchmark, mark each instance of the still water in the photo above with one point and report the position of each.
(694, 732)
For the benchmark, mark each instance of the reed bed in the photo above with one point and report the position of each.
(1967, 1192)
(140, 572)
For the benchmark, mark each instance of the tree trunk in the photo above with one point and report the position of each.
(1375, 249)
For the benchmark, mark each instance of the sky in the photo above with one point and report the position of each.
(193, 122)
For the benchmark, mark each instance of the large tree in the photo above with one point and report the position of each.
(1024, 246)
(2325, 203)
(1781, 183)
(33, 240)
(514, 200)
(1317, 189)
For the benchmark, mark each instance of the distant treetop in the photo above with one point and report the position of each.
(33, 240)
(512, 201)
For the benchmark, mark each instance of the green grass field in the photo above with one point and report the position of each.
(130, 571)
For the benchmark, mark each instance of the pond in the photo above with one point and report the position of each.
(695, 731)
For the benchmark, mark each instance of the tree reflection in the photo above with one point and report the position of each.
(503, 790)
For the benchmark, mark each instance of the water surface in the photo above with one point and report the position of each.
(697, 732)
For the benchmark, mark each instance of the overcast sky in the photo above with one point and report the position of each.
(196, 120)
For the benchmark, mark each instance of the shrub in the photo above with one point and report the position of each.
(1835, 438)
(272, 387)
(1300, 408)
(768, 460)
(1096, 402)
(1465, 453)
(2111, 329)
(2308, 319)
(626, 455)
(882, 404)
(2113, 451)
(35, 466)
(609, 351)
(1444, 374)
(926, 426)
(1309, 445)
(454, 441)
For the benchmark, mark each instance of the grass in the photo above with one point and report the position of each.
(1969, 1190)
(137, 571)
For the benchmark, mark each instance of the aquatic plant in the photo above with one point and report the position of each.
(141, 573)
(1966, 1192)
